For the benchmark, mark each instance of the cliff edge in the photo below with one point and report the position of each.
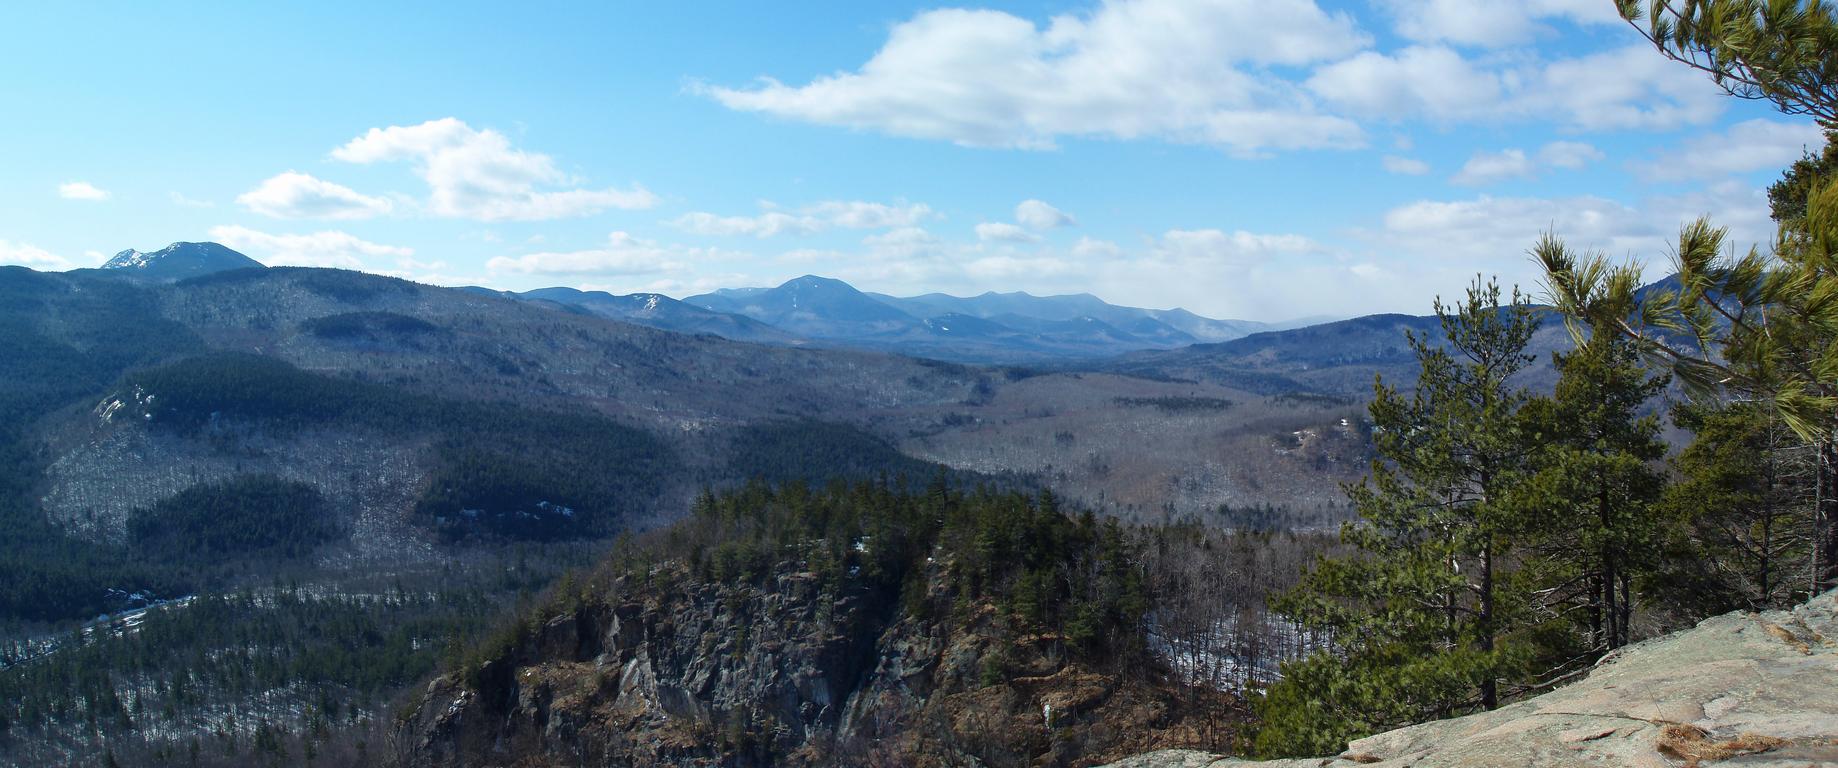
(1742, 689)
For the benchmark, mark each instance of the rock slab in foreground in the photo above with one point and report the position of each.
(1742, 689)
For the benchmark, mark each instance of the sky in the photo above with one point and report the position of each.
(1252, 159)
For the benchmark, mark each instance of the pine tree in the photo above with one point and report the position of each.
(1759, 326)
(1592, 509)
(1740, 539)
(1768, 50)
(1427, 618)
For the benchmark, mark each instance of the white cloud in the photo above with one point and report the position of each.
(1729, 203)
(1238, 247)
(860, 215)
(1437, 246)
(622, 255)
(1406, 166)
(1010, 267)
(1506, 227)
(1431, 82)
(1037, 215)
(1629, 88)
(1644, 91)
(902, 242)
(1752, 145)
(1188, 71)
(28, 255)
(1492, 167)
(1568, 154)
(330, 248)
(1004, 231)
(295, 195)
(769, 224)
(811, 219)
(82, 190)
(477, 174)
(1092, 248)
(1491, 23)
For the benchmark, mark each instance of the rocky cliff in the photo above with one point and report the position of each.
(669, 669)
(1742, 689)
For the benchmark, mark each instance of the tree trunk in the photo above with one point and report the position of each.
(1766, 566)
(1825, 545)
(1605, 550)
(1490, 689)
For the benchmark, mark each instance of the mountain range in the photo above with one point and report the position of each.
(989, 328)
(992, 327)
(186, 422)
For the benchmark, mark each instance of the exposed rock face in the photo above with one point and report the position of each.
(1741, 689)
(178, 261)
(681, 672)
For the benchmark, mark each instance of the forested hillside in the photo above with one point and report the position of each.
(282, 444)
(451, 432)
(867, 625)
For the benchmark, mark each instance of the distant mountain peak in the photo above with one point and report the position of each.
(127, 259)
(180, 260)
(818, 281)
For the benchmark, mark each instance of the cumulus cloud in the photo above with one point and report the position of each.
(1037, 215)
(81, 190)
(295, 195)
(1493, 167)
(1569, 154)
(1438, 83)
(1490, 228)
(477, 174)
(623, 255)
(1237, 248)
(1419, 81)
(1747, 146)
(1188, 71)
(1491, 23)
(330, 248)
(811, 219)
(1004, 231)
(1093, 248)
(903, 243)
(768, 224)
(1626, 88)
(179, 199)
(28, 255)
(1404, 166)
(860, 215)
(1440, 244)
(1500, 230)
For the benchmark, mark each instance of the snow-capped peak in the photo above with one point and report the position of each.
(127, 259)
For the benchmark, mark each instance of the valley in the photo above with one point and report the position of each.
(422, 461)
(1077, 384)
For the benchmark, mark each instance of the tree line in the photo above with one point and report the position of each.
(1507, 541)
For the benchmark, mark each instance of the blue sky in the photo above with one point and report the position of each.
(1261, 159)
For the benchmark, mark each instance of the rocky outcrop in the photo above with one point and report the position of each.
(1743, 689)
(782, 671)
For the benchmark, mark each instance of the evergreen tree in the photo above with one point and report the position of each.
(1427, 618)
(1593, 506)
(1740, 540)
(1761, 326)
(1768, 50)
